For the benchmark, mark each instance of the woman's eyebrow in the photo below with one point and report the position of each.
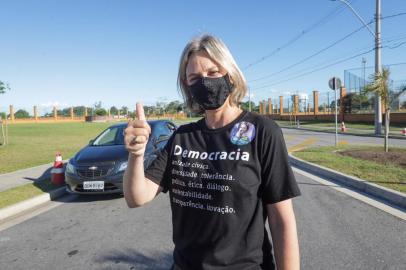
(192, 75)
(212, 68)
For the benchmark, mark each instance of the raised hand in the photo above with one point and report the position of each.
(137, 133)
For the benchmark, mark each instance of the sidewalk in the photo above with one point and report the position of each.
(390, 196)
(350, 131)
(25, 176)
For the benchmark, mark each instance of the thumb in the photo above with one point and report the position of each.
(140, 111)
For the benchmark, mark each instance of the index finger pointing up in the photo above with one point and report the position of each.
(140, 111)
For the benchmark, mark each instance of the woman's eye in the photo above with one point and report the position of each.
(192, 80)
(214, 72)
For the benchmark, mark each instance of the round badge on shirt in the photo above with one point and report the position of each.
(242, 133)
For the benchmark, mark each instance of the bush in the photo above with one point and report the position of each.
(21, 114)
(100, 112)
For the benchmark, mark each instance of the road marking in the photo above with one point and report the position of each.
(356, 195)
(289, 137)
(302, 145)
(342, 142)
(30, 213)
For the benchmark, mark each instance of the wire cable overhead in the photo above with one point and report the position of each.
(307, 30)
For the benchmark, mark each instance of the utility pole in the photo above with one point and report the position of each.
(249, 99)
(336, 113)
(328, 101)
(378, 67)
(364, 61)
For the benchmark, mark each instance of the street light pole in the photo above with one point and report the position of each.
(249, 99)
(364, 61)
(336, 112)
(357, 15)
(378, 67)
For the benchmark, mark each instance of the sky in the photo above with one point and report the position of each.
(76, 52)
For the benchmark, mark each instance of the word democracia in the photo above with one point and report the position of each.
(233, 155)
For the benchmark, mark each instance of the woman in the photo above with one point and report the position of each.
(221, 188)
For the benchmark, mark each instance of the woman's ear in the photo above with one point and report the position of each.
(230, 79)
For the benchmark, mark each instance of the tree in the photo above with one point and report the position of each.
(402, 90)
(113, 110)
(97, 105)
(394, 98)
(98, 109)
(357, 101)
(131, 114)
(124, 110)
(380, 86)
(100, 112)
(4, 87)
(333, 104)
(246, 105)
(149, 110)
(403, 105)
(174, 106)
(79, 110)
(21, 114)
(64, 112)
(160, 107)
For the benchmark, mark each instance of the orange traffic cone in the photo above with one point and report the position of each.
(343, 128)
(58, 171)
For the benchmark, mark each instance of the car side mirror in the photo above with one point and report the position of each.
(91, 142)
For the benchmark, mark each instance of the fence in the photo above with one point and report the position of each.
(71, 114)
(321, 107)
(356, 79)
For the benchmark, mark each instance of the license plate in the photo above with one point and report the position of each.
(96, 185)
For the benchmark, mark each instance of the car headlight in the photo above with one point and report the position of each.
(122, 166)
(70, 168)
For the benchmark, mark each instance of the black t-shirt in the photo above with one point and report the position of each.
(219, 181)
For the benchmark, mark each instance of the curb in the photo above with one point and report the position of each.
(391, 196)
(348, 133)
(17, 208)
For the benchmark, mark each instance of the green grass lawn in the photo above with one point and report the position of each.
(24, 192)
(187, 120)
(35, 144)
(387, 175)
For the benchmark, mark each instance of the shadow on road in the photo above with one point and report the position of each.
(85, 198)
(45, 175)
(137, 260)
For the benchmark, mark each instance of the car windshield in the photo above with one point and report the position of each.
(111, 136)
(115, 135)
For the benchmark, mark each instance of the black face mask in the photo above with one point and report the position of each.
(211, 93)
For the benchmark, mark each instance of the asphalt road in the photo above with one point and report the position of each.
(92, 232)
(296, 136)
(336, 231)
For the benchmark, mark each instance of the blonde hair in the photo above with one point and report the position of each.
(219, 53)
